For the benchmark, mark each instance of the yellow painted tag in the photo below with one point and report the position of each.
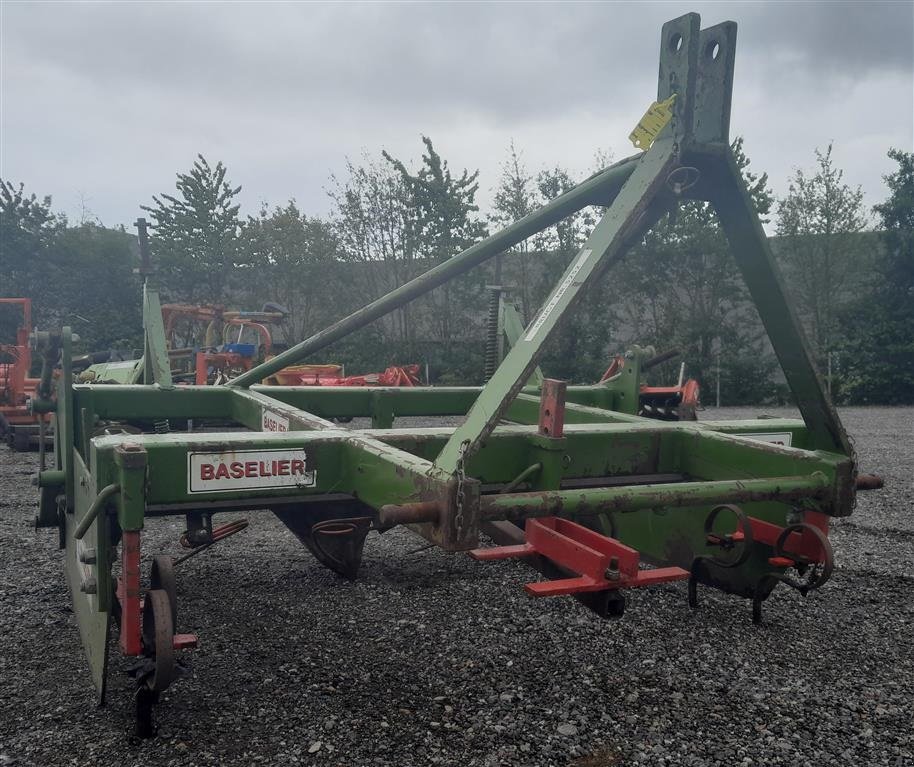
(657, 116)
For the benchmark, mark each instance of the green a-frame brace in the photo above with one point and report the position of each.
(740, 506)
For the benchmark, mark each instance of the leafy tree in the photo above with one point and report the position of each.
(567, 235)
(877, 328)
(79, 276)
(514, 199)
(294, 259)
(96, 290)
(196, 240)
(28, 228)
(373, 230)
(817, 221)
(444, 218)
(442, 221)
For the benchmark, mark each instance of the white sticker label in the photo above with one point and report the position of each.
(562, 289)
(248, 470)
(272, 421)
(775, 438)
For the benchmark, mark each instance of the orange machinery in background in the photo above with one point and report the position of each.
(18, 426)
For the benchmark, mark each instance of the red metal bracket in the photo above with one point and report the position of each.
(602, 563)
(802, 544)
(185, 641)
(128, 594)
(552, 408)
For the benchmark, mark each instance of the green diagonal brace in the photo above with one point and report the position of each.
(604, 244)
(753, 255)
(156, 366)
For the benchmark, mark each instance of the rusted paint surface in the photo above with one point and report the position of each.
(628, 499)
(552, 409)
(129, 593)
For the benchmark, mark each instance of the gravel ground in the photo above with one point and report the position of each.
(436, 659)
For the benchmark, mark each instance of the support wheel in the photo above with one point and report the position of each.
(158, 639)
(735, 547)
(816, 570)
(162, 576)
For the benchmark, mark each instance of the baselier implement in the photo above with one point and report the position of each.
(571, 474)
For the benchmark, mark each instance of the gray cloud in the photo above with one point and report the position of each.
(110, 100)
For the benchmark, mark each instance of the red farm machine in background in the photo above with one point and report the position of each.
(17, 425)
(624, 376)
(666, 403)
(209, 345)
(332, 375)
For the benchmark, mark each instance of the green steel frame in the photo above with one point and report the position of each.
(648, 484)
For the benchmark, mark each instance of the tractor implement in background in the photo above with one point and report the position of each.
(571, 477)
(21, 428)
(624, 377)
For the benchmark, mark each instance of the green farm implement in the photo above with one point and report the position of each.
(569, 478)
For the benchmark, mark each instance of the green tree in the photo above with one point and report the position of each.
(80, 276)
(196, 242)
(28, 228)
(821, 256)
(877, 328)
(514, 198)
(443, 219)
(568, 234)
(96, 290)
(372, 227)
(293, 258)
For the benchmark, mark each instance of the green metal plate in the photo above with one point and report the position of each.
(93, 624)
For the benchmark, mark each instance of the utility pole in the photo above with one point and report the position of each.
(718, 372)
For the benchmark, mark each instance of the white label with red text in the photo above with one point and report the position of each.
(775, 438)
(272, 421)
(557, 296)
(248, 470)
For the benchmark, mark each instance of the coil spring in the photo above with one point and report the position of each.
(161, 427)
(491, 354)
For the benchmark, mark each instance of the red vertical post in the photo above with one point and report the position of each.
(552, 408)
(200, 369)
(129, 593)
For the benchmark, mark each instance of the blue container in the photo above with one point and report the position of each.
(245, 350)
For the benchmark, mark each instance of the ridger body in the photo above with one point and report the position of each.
(568, 473)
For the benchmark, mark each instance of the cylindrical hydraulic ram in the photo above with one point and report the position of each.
(599, 189)
(599, 500)
(659, 359)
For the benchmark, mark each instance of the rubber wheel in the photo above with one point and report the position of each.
(162, 576)
(158, 638)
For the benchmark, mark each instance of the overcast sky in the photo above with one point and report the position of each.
(102, 103)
